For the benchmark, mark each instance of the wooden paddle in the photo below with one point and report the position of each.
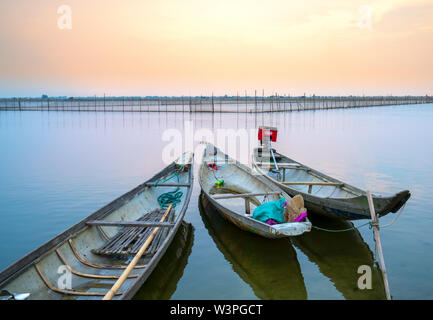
(110, 294)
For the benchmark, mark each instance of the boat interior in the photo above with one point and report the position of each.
(91, 255)
(302, 178)
(241, 192)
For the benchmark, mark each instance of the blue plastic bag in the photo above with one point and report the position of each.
(270, 210)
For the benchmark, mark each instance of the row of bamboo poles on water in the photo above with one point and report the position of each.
(239, 104)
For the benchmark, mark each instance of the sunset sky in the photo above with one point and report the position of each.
(196, 47)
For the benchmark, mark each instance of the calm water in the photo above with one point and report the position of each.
(56, 168)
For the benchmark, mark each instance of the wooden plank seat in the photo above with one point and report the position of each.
(281, 165)
(310, 184)
(152, 184)
(129, 240)
(314, 183)
(244, 195)
(129, 223)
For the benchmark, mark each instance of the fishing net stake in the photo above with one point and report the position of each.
(375, 224)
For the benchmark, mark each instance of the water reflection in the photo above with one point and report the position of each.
(162, 283)
(270, 267)
(339, 255)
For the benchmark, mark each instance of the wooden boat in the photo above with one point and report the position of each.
(338, 257)
(322, 194)
(241, 192)
(87, 259)
(269, 266)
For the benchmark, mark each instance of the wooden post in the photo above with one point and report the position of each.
(237, 102)
(247, 205)
(379, 245)
(263, 99)
(140, 103)
(255, 100)
(110, 294)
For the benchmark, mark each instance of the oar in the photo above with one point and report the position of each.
(110, 294)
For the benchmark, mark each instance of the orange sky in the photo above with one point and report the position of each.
(196, 47)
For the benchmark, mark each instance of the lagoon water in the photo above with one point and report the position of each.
(58, 167)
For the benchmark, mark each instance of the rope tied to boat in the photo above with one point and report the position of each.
(344, 230)
(171, 197)
(371, 224)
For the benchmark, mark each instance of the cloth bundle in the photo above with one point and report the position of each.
(280, 211)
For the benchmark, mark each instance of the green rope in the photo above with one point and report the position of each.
(171, 197)
(344, 230)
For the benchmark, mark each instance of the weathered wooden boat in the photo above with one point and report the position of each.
(338, 257)
(269, 266)
(240, 193)
(322, 194)
(85, 261)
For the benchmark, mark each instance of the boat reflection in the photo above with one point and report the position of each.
(339, 255)
(269, 266)
(162, 283)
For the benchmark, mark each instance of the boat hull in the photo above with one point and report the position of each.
(242, 223)
(239, 179)
(350, 208)
(93, 275)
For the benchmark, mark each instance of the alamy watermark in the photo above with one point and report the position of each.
(64, 281)
(365, 18)
(64, 21)
(237, 143)
(364, 281)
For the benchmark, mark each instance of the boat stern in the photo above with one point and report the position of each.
(291, 228)
(395, 203)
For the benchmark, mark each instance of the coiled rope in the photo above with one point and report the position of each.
(171, 197)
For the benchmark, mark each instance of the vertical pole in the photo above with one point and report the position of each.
(237, 102)
(290, 102)
(379, 245)
(255, 100)
(246, 102)
(247, 206)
